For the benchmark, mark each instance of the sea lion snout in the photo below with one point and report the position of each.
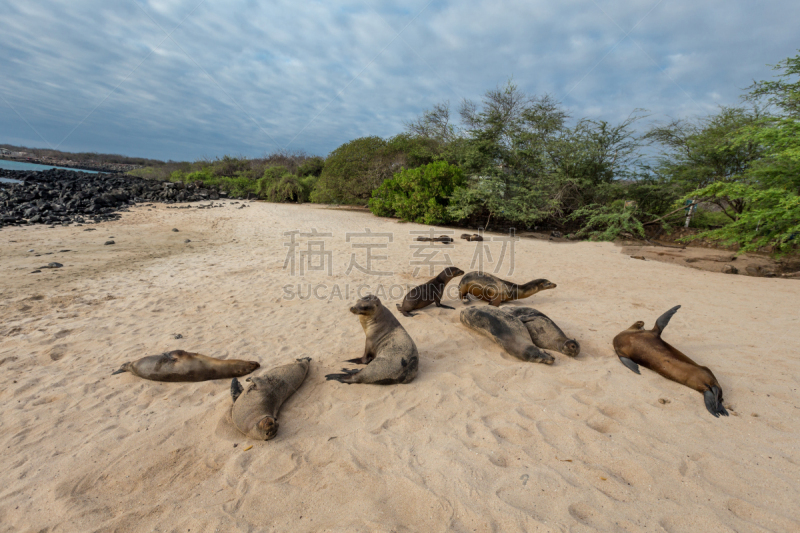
(267, 427)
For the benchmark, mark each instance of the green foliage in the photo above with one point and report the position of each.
(607, 222)
(772, 218)
(311, 167)
(418, 195)
(704, 219)
(783, 93)
(348, 175)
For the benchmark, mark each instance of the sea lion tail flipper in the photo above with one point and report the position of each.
(630, 364)
(445, 306)
(356, 361)
(713, 399)
(663, 320)
(236, 389)
(123, 368)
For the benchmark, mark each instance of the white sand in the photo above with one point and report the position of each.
(478, 442)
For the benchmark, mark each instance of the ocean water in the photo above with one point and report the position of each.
(19, 165)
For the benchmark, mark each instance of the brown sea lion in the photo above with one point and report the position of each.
(473, 237)
(507, 331)
(429, 292)
(636, 346)
(544, 332)
(440, 238)
(496, 291)
(179, 365)
(390, 354)
(255, 410)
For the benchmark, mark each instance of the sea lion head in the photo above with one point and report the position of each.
(544, 284)
(452, 272)
(367, 305)
(266, 428)
(571, 348)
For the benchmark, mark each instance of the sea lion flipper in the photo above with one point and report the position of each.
(342, 378)
(713, 403)
(123, 368)
(445, 306)
(664, 319)
(630, 364)
(236, 389)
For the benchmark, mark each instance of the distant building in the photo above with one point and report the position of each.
(5, 152)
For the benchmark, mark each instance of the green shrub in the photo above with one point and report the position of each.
(419, 194)
(607, 222)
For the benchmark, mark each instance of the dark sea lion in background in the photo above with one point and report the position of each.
(496, 291)
(179, 365)
(473, 237)
(440, 238)
(429, 292)
(507, 331)
(389, 353)
(636, 346)
(544, 332)
(255, 409)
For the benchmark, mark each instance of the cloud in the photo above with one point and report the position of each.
(246, 77)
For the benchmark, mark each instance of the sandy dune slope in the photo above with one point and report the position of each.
(478, 442)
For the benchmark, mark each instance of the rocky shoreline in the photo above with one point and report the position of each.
(64, 197)
(108, 168)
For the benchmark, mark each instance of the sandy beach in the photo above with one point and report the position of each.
(478, 442)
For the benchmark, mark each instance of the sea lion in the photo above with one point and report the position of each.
(473, 237)
(179, 365)
(496, 291)
(255, 411)
(429, 292)
(440, 238)
(636, 346)
(507, 331)
(544, 332)
(390, 354)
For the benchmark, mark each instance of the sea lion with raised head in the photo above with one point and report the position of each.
(179, 365)
(637, 346)
(507, 331)
(544, 332)
(389, 353)
(255, 409)
(496, 291)
(429, 293)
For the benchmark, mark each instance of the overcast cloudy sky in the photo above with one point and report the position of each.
(187, 79)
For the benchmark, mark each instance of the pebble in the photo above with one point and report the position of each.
(109, 242)
(175, 230)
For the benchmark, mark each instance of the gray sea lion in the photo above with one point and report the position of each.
(636, 346)
(255, 410)
(507, 331)
(496, 291)
(544, 332)
(429, 292)
(440, 238)
(179, 365)
(473, 237)
(389, 353)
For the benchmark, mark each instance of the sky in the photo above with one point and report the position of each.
(185, 80)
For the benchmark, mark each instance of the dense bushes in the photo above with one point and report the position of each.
(418, 195)
(519, 161)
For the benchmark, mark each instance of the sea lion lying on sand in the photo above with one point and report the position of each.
(496, 291)
(473, 237)
(429, 292)
(544, 332)
(440, 238)
(179, 365)
(390, 354)
(507, 331)
(636, 346)
(255, 410)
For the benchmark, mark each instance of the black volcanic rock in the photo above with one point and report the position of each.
(62, 197)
